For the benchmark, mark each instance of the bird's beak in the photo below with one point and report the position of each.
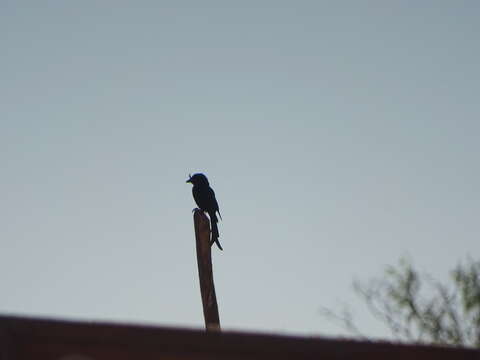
(188, 181)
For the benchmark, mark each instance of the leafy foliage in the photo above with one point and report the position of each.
(417, 308)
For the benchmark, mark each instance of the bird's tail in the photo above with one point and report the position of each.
(215, 234)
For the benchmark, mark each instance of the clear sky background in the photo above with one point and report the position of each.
(338, 136)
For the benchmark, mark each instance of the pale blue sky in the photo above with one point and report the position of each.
(338, 136)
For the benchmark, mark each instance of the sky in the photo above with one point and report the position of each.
(338, 137)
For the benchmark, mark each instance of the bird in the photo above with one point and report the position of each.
(204, 196)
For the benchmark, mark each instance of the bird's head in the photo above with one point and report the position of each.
(197, 179)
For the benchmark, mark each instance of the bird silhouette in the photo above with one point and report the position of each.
(204, 196)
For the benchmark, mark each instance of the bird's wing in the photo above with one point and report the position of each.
(212, 202)
(212, 199)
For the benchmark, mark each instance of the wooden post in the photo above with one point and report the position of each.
(205, 273)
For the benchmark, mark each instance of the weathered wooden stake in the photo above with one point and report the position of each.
(205, 273)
